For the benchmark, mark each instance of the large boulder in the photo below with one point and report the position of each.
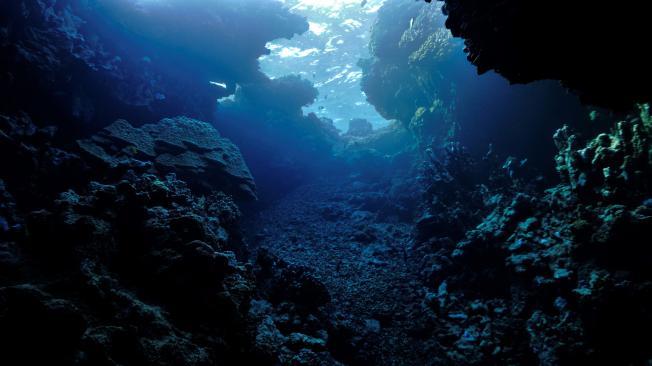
(190, 148)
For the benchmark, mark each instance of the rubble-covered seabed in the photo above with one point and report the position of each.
(139, 227)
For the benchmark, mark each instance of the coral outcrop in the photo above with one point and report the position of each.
(399, 80)
(192, 149)
(417, 74)
(612, 166)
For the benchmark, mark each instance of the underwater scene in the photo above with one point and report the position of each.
(325, 182)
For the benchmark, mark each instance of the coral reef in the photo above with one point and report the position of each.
(546, 277)
(612, 166)
(133, 267)
(132, 237)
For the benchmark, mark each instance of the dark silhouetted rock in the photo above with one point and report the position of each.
(36, 327)
(528, 41)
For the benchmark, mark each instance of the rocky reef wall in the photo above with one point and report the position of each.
(530, 275)
(418, 75)
(407, 43)
(517, 268)
(107, 257)
(81, 65)
(119, 222)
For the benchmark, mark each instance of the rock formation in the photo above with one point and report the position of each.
(538, 276)
(79, 64)
(590, 49)
(130, 265)
(192, 149)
